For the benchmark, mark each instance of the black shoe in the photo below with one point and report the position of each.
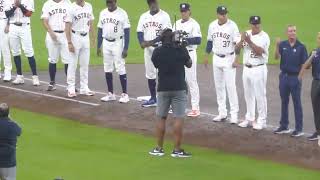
(282, 130)
(180, 154)
(157, 152)
(52, 86)
(313, 137)
(296, 133)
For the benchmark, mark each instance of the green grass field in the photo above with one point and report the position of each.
(50, 147)
(275, 16)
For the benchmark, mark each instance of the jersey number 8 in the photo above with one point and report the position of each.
(116, 29)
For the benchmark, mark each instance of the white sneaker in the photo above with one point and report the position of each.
(19, 80)
(244, 124)
(319, 140)
(35, 81)
(234, 121)
(124, 98)
(72, 94)
(258, 126)
(219, 118)
(7, 79)
(109, 97)
(87, 93)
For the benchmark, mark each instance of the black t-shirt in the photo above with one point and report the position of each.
(170, 62)
(9, 131)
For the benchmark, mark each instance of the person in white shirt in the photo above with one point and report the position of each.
(190, 26)
(79, 23)
(223, 34)
(4, 44)
(53, 14)
(150, 26)
(19, 13)
(255, 43)
(114, 36)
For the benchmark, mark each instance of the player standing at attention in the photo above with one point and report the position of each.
(4, 44)
(78, 25)
(150, 26)
(223, 34)
(255, 43)
(192, 28)
(19, 13)
(114, 35)
(53, 14)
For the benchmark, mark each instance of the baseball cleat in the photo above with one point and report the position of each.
(234, 121)
(319, 140)
(258, 126)
(6, 79)
(157, 152)
(313, 137)
(72, 94)
(151, 103)
(180, 154)
(219, 118)
(19, 80)
(194, 113)
(296, 133)
(244, 124)
(87, 93)
(51, 86)
(282, 130)
(35, 81)
(109, 97)
(124, 98)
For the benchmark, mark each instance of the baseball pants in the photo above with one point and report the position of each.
(191, 78)
(112, 57)
(5, 50)
(8, 173)
(315, 97)
(82, 56)
(225, 83)
(21, 36)
(57, 49)
(254, 84)
(290, 85)
(151, 71)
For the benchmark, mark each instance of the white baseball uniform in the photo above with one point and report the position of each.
(191, 27)
(151, 26)
(81, 18)
(55, 13)
(255, 78)
(224, 38)
(4, 44)
(20, 34)
(113, 25)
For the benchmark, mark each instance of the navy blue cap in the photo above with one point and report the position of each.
(184, 7)
(255, 20)
(222, 10)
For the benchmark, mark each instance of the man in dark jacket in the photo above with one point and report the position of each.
(170, 60)
(9, 131)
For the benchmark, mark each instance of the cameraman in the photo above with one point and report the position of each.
(170, 60)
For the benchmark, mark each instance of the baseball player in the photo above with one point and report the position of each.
(54, 12)
(78, 26)
(4, 44)
(150, 25)
(19, 13)
(223, 34)
(113, 36)
(255, 43)
(192, 28)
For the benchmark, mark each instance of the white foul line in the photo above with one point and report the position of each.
(270, 127)
(50, 96)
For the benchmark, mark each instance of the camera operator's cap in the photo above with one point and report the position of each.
(222, 10)
(255, 20)
(184, 7)
(151, 1)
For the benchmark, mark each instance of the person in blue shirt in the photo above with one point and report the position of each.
(9, 131)
(314, 62)
(292, 54)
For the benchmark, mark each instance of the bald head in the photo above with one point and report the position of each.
(4, 110)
